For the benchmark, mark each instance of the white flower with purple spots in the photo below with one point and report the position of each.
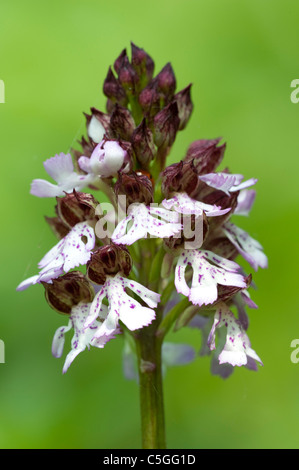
(72, 251)
(206, 276)
(106, 160)
(143, 220)
(184, 204)
(122, 307)
(83, 337)
(61, 169)
(248, 247)
(227, 182)
(237, 347)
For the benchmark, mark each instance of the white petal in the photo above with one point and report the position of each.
(184, 204)
(42, 188)
(148, 296)
(248, 247)
(143, 223)
(95, 130)
(27, 283)
(245, 202)
(59, 167)
(59, 338)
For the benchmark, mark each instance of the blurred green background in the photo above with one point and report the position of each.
(241, 57)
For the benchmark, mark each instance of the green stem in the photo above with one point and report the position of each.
(151, 388)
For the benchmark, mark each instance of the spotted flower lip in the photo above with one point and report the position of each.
(237, 350)
(227, 182)
(206, 276)
(121, 306)
(248, 247)
(83, 337)
(69, 253)
(106, 160)
(144, 221)
(184, 204)
(61, 169)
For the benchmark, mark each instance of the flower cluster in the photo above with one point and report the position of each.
(175, 243)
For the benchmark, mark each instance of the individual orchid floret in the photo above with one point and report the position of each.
(106, 160)
(248, 247)
(70, 252)
(61, 169)
(83, 337)
(237, 349)
(227, 182)
(122, 307)
(145, 221)
(206, 276)
(245, 202)
(184, 204)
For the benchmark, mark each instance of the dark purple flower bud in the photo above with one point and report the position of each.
(119, 60)
(166, 80)
(179, 178)
(166, 125)
(110, 106)
(57, 226)
(137, 187)
(108, 261)
(76, 207)
(122, 123)
(206, 155)
(97, 125)
(127, 76)
(113, 89)
(151, 99)
(185, 106)
(143, 64)
(143, 144)
(67, 291)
